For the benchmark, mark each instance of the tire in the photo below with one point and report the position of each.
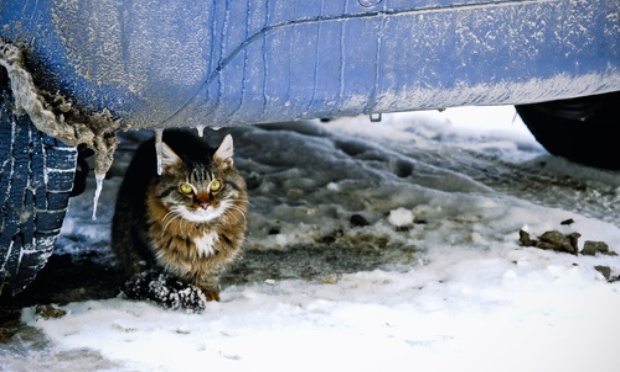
(36, 178)
(585, 130)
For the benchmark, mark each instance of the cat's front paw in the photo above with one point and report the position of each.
(212, 295)
(166, 291)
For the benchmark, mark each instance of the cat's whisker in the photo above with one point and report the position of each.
(169, 214)
(163, 231)
(237, 209)
(241, 201)
(173, 215)
(178, 214)
(233, 204)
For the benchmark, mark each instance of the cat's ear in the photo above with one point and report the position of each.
(169, 158)
(224, 153)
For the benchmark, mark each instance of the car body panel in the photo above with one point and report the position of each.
(159, 63)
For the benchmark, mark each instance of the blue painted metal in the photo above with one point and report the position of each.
(182, 63)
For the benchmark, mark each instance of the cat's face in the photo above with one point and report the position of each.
(200, 191)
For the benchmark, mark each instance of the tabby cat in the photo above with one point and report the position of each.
(188, 222)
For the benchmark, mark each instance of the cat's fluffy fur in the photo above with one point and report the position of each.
(189, 221)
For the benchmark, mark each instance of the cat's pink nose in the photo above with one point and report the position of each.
(203, 200)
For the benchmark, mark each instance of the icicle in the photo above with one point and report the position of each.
(215, 129)
(99, 177)
(200, 129)
(159, 133)
(104, 146)
(515, 117)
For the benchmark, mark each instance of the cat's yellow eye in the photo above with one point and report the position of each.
(215, 186)
(186, 188)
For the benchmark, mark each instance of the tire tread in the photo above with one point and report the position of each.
(36, 179)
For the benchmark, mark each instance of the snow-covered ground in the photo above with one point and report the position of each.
(373, 247)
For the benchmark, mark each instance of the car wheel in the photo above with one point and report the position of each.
(36, 179)
(585, 130)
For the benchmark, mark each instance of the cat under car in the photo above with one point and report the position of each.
(174, 233)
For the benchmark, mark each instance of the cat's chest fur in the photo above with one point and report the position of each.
(199, 245)
(205, 243)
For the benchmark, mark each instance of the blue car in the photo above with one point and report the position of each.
(75, 72)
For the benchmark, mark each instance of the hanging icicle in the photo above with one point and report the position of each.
(104, 146)
(159, 133)
(99, 178)
(200, 129)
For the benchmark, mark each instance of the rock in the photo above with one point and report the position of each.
(49, 311)
(275, 230)
(329, 279)
(357, 220)
(591, 248)
(557, 241)
(604, 270)
(553, 240)
(525, 240)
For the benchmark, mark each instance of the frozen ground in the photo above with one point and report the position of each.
(389, 246)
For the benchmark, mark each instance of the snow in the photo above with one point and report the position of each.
(400, 217)
(433, 279)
